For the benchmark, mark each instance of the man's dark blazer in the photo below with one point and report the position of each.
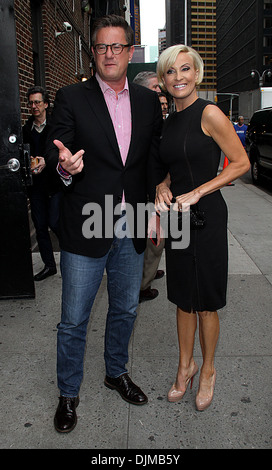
(80, 120)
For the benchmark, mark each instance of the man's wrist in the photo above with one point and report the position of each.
(62, 172)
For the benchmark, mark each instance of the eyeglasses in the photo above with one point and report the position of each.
(116, 48)
(36, 102)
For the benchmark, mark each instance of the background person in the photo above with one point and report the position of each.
(44, 194)
(148, 79)
(191, 145)
(153, 253)
(164, 105)
(241, 129)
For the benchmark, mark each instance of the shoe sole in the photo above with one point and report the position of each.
(112, 387)
(65, 431)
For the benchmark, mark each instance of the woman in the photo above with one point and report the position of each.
(191, 145)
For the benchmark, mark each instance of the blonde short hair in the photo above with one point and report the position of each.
(168, 58)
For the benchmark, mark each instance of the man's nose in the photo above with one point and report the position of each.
(109, 52)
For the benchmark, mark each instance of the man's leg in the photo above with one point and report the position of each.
(152, 259)
(124, 269)
(39, 214)
(81, 278)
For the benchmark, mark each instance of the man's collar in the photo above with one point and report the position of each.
(37, 126)
(104, 86)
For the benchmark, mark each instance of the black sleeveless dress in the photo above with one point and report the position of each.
(197, 275)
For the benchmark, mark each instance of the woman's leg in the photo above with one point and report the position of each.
(186, 327)
(208, 335)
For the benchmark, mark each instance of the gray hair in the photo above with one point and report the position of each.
(142, 78)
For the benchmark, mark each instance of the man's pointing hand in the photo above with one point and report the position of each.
(73, 164)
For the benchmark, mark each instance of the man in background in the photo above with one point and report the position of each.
(240, 129)
(44, 194)
(164, 105)
(153, 253)
(148, 79)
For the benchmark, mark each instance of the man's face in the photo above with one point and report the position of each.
(37, 105)
(164, 105)
(153, 84)
(112, 68)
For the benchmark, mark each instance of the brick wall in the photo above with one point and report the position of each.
(24, 50)
(62, 60)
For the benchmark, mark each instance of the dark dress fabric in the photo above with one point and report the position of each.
(197, 275)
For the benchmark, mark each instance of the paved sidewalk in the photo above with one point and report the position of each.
(240, 415)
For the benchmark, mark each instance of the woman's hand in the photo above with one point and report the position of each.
(164, 195)
(184, 201)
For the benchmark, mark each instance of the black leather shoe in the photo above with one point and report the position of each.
(127, 389)
(148, 294)
(44, 273)
(159, 274)
(65, 418)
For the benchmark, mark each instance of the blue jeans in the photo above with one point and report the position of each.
(81, 277)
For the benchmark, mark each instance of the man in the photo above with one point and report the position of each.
(148, 79)
(104, 129)
(153, 253)
(241, 129)
(44, 194)
(164, 105)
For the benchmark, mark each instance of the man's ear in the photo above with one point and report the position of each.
(131, 52)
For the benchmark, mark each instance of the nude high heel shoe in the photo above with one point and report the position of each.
(204, 401)
(175, 395)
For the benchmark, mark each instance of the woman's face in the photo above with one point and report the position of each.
(180, 79)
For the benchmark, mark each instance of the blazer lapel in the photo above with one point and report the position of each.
(135, 116)
(98, 104)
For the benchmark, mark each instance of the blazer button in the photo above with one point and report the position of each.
(119, 198)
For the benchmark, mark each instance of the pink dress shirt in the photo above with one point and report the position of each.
(120, 113)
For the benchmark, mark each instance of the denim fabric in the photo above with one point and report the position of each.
(81, 280)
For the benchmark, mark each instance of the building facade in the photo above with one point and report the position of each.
(202, 35)
(175, 24)
(194, 23)
(51, 54)
(244, 44)
(161, 40)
